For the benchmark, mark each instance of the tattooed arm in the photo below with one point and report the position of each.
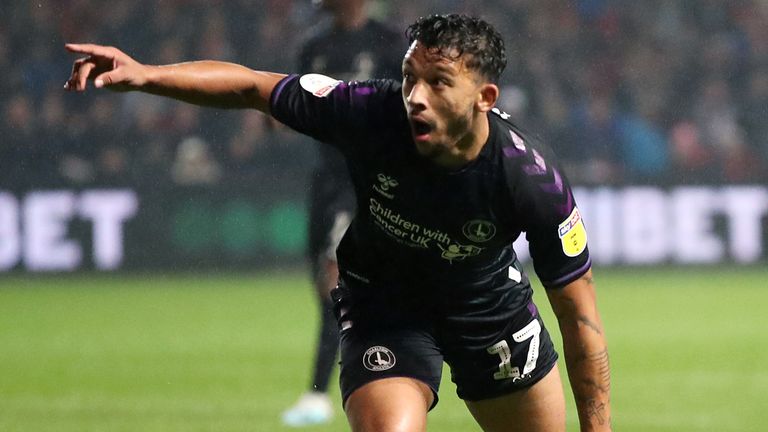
(586, 352)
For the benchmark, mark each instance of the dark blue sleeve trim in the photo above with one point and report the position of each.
(278, 89)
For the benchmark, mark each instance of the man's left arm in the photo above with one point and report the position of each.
(586, 351)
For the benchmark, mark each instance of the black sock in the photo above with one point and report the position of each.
(327, 349)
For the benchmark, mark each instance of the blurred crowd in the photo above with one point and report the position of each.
(652, 91)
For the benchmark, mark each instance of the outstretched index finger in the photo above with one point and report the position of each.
(90, 49)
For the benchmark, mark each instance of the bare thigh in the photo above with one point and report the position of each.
(537, 408)
(389, 405)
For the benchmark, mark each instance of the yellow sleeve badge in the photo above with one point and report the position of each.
(572, 234)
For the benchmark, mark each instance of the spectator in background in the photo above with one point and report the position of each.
(194, 165)
(647, 84)
(590, 146)
(25, 162)
(101, 133)
(643, 146)
(57, 138)
(155, 151)
(754, 118)
(716, 117)
(246, 151)
(261, 151)
(349, 46)
(113, 166)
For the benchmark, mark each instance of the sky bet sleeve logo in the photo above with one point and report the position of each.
(318, 85)
(572, 234)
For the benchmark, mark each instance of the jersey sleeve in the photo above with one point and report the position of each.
(334, 112)
(545, 206)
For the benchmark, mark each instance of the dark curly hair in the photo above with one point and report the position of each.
(465, 35)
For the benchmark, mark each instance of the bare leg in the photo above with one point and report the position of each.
(390, 405)
(538, 408)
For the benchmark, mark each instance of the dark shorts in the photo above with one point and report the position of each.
(519, 353)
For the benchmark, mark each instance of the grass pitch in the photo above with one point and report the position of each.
(689, 349)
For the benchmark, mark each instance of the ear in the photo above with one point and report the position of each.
(487, 97)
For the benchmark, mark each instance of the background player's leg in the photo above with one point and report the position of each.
(326, 230)
(328, 340)
(390, 405)
(538, 408)
(315, 406)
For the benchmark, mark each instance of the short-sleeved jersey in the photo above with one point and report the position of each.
(421, 230)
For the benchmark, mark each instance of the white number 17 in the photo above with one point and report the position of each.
(506, 370)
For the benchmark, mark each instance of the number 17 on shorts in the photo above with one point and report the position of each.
(501, 348)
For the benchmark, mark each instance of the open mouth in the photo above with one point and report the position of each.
(421, 129)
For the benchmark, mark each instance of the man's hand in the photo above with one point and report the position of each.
(108, 67)
(206, 82)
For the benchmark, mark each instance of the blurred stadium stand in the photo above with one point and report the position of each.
(665, 94)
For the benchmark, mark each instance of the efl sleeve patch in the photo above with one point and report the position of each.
(318, 85)
(572, 234)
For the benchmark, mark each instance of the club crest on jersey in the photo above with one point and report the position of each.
(379, 358)
(573, 235)
(319, 85)
(479, 231)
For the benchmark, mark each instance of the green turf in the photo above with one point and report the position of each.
(689, 351)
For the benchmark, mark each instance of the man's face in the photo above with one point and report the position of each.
(441, 97)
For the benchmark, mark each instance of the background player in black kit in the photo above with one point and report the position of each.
(349, 47)
(445, 183)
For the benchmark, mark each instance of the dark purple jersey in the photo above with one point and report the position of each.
(426, 231)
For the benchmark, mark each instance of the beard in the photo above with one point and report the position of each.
(459, 133)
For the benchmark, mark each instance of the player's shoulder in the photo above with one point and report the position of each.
(373, 88)
(514, 141)
(385, 85)
(524, 155)
(384, 94)
(373, 97)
